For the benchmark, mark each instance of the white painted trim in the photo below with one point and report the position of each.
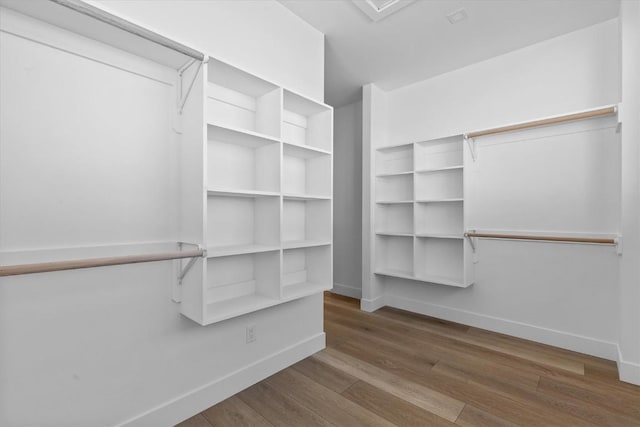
(566, 340)
(347, 290)
(374, 304)
(185, 406)
(628, 371)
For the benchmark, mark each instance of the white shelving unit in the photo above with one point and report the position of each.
(257, 180)
(419, 216)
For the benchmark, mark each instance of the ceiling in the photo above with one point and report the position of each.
(418, 42)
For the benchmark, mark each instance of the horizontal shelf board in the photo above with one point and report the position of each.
(446, 168)
(395, 273)
(299, 290)
(294, 244)
(242, 193)
(395, 173)
(391, 233)
(289, 196)
(220, 251)
(444, 200)
(440, 280)
(303, 151)
(302, 104)
(222, 310)
(440, 236)
(238, 136)
(391, 147)
(393, 202)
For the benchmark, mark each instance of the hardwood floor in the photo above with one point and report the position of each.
(393, 368)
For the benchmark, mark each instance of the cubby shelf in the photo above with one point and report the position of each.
(261, 156)
(419, 212)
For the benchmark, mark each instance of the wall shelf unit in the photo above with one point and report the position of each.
(257, 188)
(419, 212)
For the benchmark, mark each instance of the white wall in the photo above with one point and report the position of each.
(88, 158)
(629, 363)
(257, 35)
(565, 295)
(347, 212)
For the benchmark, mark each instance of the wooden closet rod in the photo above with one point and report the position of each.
(570, 117)
(600, 241)
(115, 21)
(43, 267)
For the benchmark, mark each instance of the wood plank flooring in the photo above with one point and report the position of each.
(393, 368)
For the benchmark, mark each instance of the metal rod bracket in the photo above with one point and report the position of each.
(473, 146)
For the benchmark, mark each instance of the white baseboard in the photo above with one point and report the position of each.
(628, 372)
(182, 407)
(371, 305)
(569, 341)
(347, 291)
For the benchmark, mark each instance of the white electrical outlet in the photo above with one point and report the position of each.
(251, 333)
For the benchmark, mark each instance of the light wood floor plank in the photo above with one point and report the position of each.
(423, 397)
(474, 417)
(197, 421)
(279, 409)
(398, 411)
(330, 405)
(233, 412)
(324, 374)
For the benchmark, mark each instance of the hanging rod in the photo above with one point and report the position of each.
(113, 20)
(599, 241)
(43, 267)
(567, 118)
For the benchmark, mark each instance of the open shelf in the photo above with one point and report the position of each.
(394, 188)
(439, 154)
(397, 160)
(395, 253)
(240, 100)
(242, 193)
(394, 202)
(306, 271)
(306, 172)
(242, 221)
(443, 184)
(290, 196)
(440, 259)
(240, 161)
(240, 284)
(439, 218)
(306, 122)
(394, 218)
(306, 220)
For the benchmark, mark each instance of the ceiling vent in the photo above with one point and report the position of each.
(380, 9)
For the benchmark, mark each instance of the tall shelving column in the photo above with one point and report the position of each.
(257, 172)
(307, 194)
(419, 212)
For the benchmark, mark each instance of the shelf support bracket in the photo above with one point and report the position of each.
(618, 245)
(619, 112)
(182, 97)
(192, 261)
(471, 142)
